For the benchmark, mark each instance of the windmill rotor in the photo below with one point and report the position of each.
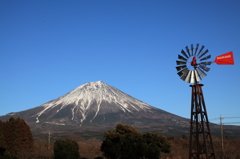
(191, 66)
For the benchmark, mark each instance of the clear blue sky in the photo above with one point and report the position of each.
(48, 48)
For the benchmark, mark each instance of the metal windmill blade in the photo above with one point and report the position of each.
(200, 50)
(193, 79)
(185, 75)
(184, 53)
(206, 63)
(192, 50)
(205, 58)
(182, 58)
(181, 67)
(201, 55)
(182, 72)
(202, 74)
(204, 67)
(188, 77)
(196, 50)
(181, 63)
(188, 51)
(198, 78)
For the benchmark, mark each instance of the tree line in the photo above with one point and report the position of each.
(121, 142)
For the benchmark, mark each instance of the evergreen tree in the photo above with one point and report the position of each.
(66, 149)
(122, 142)
(154, 144)
(16, 137)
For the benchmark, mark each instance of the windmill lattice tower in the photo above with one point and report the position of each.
(191, 69)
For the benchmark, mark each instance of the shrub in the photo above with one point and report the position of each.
(66, 149)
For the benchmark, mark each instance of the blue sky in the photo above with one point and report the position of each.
(48, 48)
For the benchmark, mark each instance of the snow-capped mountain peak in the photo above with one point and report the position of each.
(94, 97)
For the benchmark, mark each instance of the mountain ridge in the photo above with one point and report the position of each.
(97, 106)
(83, 97)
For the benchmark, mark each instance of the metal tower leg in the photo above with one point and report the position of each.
(200, 146)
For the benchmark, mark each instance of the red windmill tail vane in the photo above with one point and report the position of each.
(225, 59)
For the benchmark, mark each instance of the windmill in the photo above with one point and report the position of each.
(192, 67)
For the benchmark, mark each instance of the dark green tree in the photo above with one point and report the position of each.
(122, 142)
(126, 142)
(154, 144)
(66, 149)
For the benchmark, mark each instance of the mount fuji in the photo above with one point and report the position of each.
(97, 106)
(86, 102)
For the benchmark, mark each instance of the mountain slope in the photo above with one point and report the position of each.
(91, 99)
(96, 106)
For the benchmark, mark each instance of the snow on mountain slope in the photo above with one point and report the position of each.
(91, 97)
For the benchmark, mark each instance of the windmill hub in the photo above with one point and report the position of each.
(194, 62)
